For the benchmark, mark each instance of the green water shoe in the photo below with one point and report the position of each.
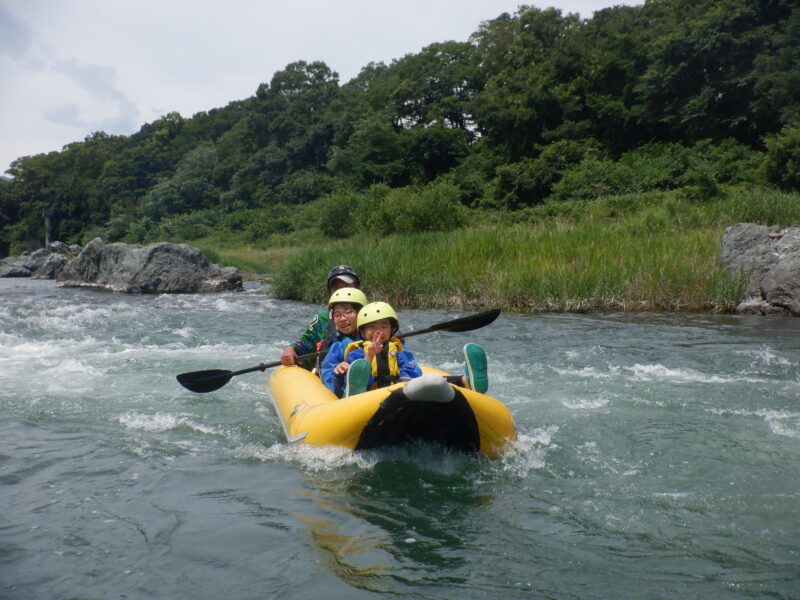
(475, 368)
(358, 377)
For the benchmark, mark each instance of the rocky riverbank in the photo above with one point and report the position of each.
(768, 258)
(162, 268)
(45, 263)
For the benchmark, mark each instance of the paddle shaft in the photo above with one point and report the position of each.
(213, 379)
(453, 325)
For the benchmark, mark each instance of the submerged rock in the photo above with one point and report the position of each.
(769, 260)
(162, 268)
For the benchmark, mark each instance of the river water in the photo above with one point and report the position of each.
(658, 457)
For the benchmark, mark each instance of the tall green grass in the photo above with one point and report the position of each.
(554, 267)
(255, 261)
(634, 252)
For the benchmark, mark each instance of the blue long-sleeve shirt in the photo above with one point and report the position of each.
(335, 355)
(406, 363)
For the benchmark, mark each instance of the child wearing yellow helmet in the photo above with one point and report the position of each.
(377, 325)
(343, 305)
(376, 359)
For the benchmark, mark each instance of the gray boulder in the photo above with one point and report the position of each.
(45, 263)
(51, 266)
(769, 261)
(9, 267)
(162, 268)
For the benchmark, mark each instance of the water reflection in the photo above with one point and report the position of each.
(407, 519)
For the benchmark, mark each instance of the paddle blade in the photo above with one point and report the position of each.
(470, 322)
(204, 381)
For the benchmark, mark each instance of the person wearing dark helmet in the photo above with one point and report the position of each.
(317, 334)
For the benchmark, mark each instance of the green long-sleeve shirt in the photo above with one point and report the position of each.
(309, 340)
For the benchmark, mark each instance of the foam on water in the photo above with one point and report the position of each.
(589, 372)
(787, 425)
(589, 452)
(528, 452)
(226, 305)
(311, 458)
(163, 422)
(576, 403)
(525, 454)
(780, 422)
(18, 349)
(253, 294)
(582, 354)
(78, 319)
(656, 372)
(650, 372)
(766, 357)
(650, 448)
(184, 332)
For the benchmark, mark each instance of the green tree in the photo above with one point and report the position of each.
(189, 189)
(373, 154)
(610, 52)
(9, 214)
(433, 151)
(293, 106)
(436, 87)
(776, 73)
(303, 186)
(59, 190)
(525, 102)
(782, 162)
(337, 214)
(410, 209)
(531, 180)
(698, 83)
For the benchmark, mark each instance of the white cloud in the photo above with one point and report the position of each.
(17, 41)
(72, 68)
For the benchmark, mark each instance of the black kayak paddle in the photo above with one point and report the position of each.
(213, 379)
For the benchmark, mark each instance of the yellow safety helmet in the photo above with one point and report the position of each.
(376, 311)
(348, 295)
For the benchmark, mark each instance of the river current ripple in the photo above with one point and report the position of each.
(658, 457)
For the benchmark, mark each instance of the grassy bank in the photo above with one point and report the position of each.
(255, 262)
(553, 267)
(635, 252)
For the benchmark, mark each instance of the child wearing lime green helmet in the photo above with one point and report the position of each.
(378, 358)
(383, 359)
(343, 306)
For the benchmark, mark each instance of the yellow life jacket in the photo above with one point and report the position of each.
(385, 369)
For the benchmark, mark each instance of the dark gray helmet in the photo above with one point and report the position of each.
(345, 273)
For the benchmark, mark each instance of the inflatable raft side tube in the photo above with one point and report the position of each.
(340, 422)
(495, 423)
(311, 413)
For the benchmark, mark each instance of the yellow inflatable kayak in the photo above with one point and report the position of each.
(426, 408)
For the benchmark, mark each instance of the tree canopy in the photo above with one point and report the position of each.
(501, 119)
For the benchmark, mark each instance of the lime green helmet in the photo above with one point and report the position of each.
(348, 295)
(375, 311)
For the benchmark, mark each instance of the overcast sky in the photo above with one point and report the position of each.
(72, 67)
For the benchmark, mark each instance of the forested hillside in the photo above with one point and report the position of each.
(535, 108)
